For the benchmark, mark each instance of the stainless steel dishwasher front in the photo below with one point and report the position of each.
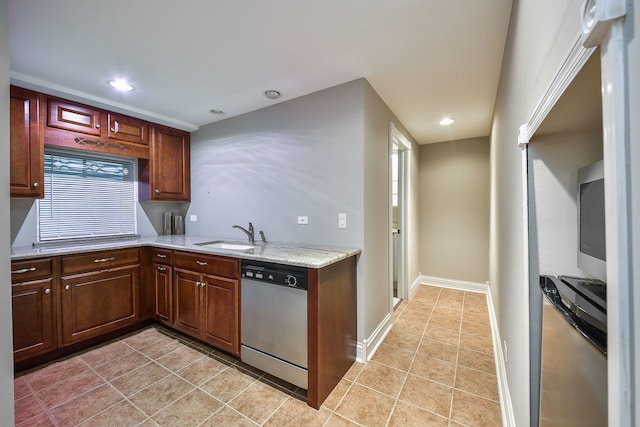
(274, 320)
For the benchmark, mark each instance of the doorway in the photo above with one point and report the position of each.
(398, 150)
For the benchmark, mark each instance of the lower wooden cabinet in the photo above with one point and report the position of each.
(206, 306)
(34, 318)
(163, 285)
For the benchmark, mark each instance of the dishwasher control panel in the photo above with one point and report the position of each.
(283, 275)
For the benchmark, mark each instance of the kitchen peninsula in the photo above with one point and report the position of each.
(85, 293)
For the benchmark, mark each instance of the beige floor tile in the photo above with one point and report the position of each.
(122, 414)
(161, 348)
(472, 410)
(202, 370)
(21, 388)
(122, 365)
(336, 395)
(148, 423)
(433, 369)
(444, 321)
(473, 308)
(479, 329)
(477, 382)
(448, 305)
(105, 354)
(228, 417)
(40, 420)
(26, 408)
(476, 342)
(425, 305)
(354, 371)
(157, 396)
(140, 378)
(448, 336)
(393, 356)
(144, 338)
(295, 413)
(69, 388)
(366, 406)
(258, 402)
(336, 420)
(429, 395)
(409, 327)
(477, 360)
(228, 384)
(403, 340)
(452, 295)
(406, 415)
(382, 378)
(475, 297)
(438, 350)
(416, 315)
(179, 358)
(54, 373)
(85, 406)
(190, 410)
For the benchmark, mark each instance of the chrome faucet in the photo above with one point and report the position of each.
(248, 232)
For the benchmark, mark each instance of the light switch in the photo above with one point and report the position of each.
(193, 218)
(342, 220)
(304, 220)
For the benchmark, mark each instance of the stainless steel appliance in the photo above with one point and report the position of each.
(274, 320)
(573, 388)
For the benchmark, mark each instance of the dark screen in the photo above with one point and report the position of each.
(592, 224)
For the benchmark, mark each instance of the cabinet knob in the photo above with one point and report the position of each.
(157, 191)
(47, 291)
(35, 185)
(67, 287)
(162, 269)
(97, 126)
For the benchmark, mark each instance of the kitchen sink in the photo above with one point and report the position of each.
(230, 246)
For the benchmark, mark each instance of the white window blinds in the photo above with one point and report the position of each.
(86, 196)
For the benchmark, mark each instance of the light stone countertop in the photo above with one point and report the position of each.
(302, 255)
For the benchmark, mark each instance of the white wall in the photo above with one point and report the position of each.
(541, 35)
(454, 209)
(6, 337)
(556, 160)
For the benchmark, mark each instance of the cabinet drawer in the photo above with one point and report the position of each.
(98, 260)
(73, 117)
(123, 128)
(162, 256)
(22, 271)
(207, 264)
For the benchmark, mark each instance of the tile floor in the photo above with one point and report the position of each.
(435, 367)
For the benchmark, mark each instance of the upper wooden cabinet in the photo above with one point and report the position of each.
(73, 125)
(26, 144)
(167, 175)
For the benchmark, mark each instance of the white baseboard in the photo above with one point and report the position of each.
(506, 407)
(366, 349)
(413, 288)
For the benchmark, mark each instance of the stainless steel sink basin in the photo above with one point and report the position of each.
(229, 246)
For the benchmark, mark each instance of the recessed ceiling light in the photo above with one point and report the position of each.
(217, 112)
(272, 94)
(121, 84)
(446, 121)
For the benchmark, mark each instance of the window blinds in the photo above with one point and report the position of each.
(86, 197)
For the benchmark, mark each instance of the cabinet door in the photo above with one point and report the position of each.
(33, 318)
(169, 165)
(99, 302)
(130, 129)
(74, 117)
(221, 314)
(186, 302)
(26, 145)
(163, 279)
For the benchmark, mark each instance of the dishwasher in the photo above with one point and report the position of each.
(274, 320)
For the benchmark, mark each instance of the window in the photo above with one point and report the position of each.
(86, 196)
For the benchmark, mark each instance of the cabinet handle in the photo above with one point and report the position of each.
(104, 259)
(201, 263)
(197, 283)
(161, 255)
(23, 270)
(47, 291)
(115, 127)
(157, 191)
(67, 287)
(162, 268)
(35, 185)
(203, 284)
(97, 126)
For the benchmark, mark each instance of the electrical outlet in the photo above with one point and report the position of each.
(342, 220)
(193, 218)
(304, 220)
(504, 344)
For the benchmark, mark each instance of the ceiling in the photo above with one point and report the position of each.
(425, 58)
